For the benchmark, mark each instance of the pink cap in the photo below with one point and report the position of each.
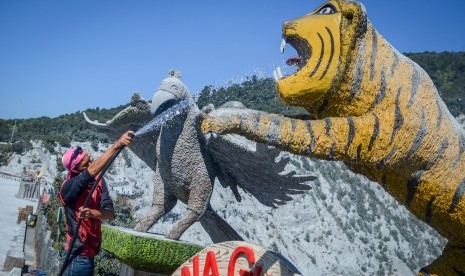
(72, 157)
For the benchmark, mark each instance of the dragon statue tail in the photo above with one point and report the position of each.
(217, 228)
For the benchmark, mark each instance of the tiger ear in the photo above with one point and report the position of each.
(356, 17)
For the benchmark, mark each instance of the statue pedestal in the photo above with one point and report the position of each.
(237, 258)
(145, 254)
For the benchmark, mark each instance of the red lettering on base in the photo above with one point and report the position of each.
(195, 267)
(235, 255)
(211, 265)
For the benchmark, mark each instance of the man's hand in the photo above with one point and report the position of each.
(124, 140)
(85, 213)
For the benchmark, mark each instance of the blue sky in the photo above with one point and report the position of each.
(59, 57)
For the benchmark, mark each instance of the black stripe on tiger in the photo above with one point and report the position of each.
(383, 161)
(381, 92)
(328, 126)
(272, 131)
(331, 39)
(292, 125)
(357, 155)
(414, 179)
(429, 210)
(330, 155)
(457, 196)
(292, 122)
(461, 150)
(418, 138)
(439, 119)
(351, 135)
(375, 132)
(394, 64)
(416, 76)
(442, 148)
(312, 138)
(321, 55)
(399, 118)
(374, 51)
(359, 63)
(412, 185)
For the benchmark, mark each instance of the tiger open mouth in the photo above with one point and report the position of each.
(303, 54)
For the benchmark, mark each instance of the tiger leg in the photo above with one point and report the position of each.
(451, 262)
(330, 138)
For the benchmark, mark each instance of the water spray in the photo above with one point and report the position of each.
(165, 117)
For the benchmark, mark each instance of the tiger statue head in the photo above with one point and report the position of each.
(325, 40)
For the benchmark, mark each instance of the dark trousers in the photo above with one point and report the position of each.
(78, 265)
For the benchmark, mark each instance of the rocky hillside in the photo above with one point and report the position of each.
(344, 225)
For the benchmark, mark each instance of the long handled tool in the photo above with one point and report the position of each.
(94, 185)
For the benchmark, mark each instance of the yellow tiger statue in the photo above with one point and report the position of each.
(375, 110)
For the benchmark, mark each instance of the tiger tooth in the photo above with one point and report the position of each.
(275, 76)
(280, 74)
(283, 45)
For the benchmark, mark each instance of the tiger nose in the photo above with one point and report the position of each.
(288, 27)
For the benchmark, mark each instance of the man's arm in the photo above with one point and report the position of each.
(73, 187)
(97, 166)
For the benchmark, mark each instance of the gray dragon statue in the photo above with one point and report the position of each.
(187, 162)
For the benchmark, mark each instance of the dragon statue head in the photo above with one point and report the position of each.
(170, 91)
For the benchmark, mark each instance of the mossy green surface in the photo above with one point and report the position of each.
(146, 252)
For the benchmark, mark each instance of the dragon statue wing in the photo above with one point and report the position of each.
(257, 168)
